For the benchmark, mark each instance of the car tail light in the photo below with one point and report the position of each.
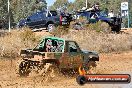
(61, 20)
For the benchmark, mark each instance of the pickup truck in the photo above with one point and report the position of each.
(45, 19)
(57, 54)
(94, 17)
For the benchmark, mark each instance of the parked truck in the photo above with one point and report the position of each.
(54, 55)
(46, 19)
(94, 17)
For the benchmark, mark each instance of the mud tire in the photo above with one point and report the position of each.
(24, 68)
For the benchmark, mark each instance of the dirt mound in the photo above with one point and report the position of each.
(109, 63)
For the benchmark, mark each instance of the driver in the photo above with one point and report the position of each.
(48, 45)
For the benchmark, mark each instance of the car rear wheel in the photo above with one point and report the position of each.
(116, 28)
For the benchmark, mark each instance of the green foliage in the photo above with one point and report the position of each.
(60, 3)
(78, 4)
(3, 9)
(100, 27)
(23, 8)
(20, 9)
(4, 14)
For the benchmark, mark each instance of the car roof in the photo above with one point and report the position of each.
(54, 38)
(58, 38)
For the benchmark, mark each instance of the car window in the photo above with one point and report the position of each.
(41, 16)
(72, 47)
(34, 17)
(44, 14)
(54, 13)
(40, 46)
(49, 14)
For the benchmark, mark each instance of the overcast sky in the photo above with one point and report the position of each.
(50, 2)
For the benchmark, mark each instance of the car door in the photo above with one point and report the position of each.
(48, 16)
(43, 19)
(55, 16)
(32, 20)
(74, 52)
(39, 21)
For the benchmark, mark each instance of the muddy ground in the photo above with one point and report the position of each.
(109, 63)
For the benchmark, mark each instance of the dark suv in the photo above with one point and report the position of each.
(48, 19)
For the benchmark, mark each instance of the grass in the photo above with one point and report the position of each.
(101, 42)
(13, 42)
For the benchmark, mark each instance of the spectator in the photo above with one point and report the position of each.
(94, 8)
(111, 14)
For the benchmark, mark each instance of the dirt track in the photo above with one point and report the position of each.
(109, 63)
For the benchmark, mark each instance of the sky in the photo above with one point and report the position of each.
(50, 2)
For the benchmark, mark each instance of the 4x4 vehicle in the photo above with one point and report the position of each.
(54, 54)
(93, 17)
(48, 19)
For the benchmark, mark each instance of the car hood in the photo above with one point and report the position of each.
(88, 51)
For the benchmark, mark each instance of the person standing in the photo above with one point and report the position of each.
(95, 8)
(111, 14)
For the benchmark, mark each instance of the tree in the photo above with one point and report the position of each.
(23, 8)
(4, 14)
(3, 9)
(78, 4)
(20, 9)
(60, 3)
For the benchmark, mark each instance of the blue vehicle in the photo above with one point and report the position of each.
(47, 19)
(93, 17)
